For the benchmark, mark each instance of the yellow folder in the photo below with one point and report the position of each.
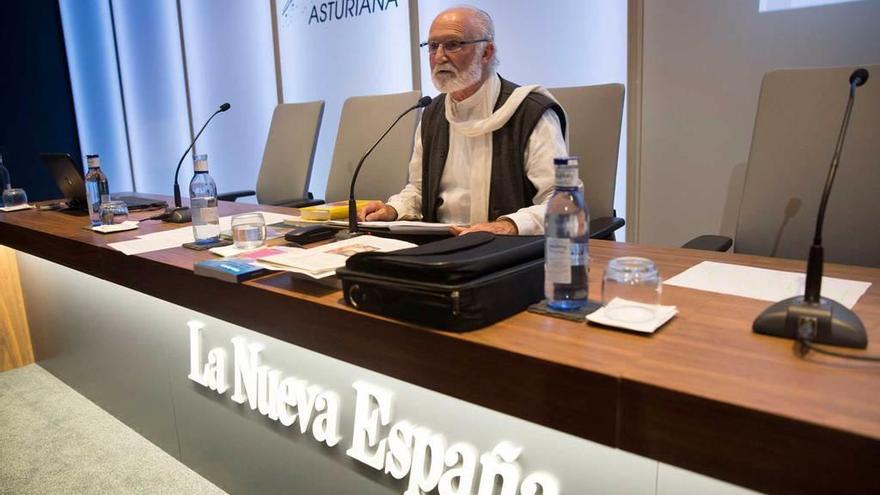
(336, 210)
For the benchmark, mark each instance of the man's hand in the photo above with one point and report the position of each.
(377, 211)
(502, 227)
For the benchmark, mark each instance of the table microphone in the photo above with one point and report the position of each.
(810, 317)
(352, 203)
(180, 214)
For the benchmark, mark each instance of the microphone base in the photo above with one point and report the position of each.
(181, 214)
(347, 234)
(836, 324)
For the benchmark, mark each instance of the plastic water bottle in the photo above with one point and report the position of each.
(97, 188)
(203, 203)
(567, 231)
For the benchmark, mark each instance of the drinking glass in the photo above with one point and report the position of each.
(631, 289)
(14, 196)
(113, 212)
(248, 230)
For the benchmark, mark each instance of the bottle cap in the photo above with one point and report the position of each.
(566, 171)
(200, 163)
(94, 161)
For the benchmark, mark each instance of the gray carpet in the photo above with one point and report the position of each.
(53, 440)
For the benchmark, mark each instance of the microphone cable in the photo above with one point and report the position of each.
(161, 216)
(804, 344)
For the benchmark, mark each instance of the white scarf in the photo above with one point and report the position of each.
(481, 168)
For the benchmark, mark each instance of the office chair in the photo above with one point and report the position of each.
(594, 115)
(799, 117)
(363, 120)
(287, 158)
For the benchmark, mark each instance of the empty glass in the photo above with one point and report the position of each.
(113, 212)
(248, 230)
(14, 196)
(631, 289)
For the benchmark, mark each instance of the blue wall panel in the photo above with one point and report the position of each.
(151, 66)
(230, 57)
(94, 78)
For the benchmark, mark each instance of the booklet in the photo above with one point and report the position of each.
(228, 269)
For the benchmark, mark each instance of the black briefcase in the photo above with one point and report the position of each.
(456, 284)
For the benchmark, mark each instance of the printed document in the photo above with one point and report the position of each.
(764, 284)
(322, 261)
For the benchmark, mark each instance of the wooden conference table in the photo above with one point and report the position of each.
(703, 393)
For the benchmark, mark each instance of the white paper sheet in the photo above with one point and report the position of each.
(118, 227)
(763, 284)
(24, 206)
(155, 241)
(176, 237)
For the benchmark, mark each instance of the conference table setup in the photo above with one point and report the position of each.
(276, 383)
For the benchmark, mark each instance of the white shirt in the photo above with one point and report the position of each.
(464, 186)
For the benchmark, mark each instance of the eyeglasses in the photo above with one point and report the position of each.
(450, 46)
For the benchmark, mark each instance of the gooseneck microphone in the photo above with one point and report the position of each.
(811, 317)
(180, 214)
(352, 203)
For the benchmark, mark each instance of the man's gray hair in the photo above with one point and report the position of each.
(486, 29)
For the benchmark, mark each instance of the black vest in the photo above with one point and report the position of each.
(510, 188)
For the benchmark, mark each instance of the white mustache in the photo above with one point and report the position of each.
(445, 67)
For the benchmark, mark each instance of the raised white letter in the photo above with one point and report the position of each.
(427, 461)
(305, 402)
(462, 459)
(506, 468)
(246, 371)
(399, 457)
(267, 387)
(549, 485)
(325, 428)
(287, 394)
(195, 351)
(215, 370)
(367, 420)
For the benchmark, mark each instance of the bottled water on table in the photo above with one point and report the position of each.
(203, 203)
(566, 227)
(97, 188)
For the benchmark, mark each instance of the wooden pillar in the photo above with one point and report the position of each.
(15, 338)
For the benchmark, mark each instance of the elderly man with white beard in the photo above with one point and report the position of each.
(484, 149)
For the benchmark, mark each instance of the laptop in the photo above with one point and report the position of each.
(69, 180)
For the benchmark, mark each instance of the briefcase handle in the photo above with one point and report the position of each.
(450, 245)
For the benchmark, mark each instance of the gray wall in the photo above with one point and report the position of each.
(703, 61)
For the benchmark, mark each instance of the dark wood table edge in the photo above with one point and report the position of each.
(751, 448)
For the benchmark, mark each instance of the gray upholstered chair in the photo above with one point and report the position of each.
(363, 120)
(594, 119)
(287, 158)
(799, 116)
